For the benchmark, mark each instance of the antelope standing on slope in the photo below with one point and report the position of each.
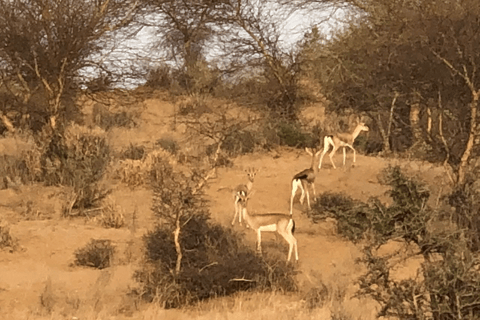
(283, 224)
(341, 140)
(243, 190)
(305, 178)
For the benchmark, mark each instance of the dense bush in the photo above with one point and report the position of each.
(215, 263)
(448, 284)
(353, 216)
(96, 254)
(292, 135)
(78, 158)
(407, 217)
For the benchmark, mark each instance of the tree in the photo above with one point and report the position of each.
(185, 28)
(44, 44)
(253, 45)
(410, 62)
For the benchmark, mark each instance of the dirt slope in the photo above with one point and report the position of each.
(41, 270)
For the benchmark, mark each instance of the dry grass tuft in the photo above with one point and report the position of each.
(135, 172)
(7, 241)
(111, 215)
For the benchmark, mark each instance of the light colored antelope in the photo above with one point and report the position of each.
(341, 140)
(305, 178)
(243, 190)
(281, 223)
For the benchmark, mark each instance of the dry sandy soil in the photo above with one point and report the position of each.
(39, 276)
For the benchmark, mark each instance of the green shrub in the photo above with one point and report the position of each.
(96, 254)
(215, 263)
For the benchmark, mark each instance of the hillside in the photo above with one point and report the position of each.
(39, 277)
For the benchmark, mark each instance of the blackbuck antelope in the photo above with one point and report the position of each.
(305, 178)
(281, 223)
(243, 190)
(341, 140)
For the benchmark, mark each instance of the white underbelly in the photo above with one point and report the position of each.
(271, 228)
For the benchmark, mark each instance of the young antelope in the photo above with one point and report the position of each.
(304, 178)
(243, 190)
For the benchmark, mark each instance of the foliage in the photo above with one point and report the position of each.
(98, 253)
(393, 58)
(448, 285)
(137, 172)
(407, 217)
(239, 142)
(290, 134)
(465, 199)
(78, 158)
(107, 119)
(216, 263)
(353, 216)
(159, 77)
(133, 152)
(193, 104)
(45, 45)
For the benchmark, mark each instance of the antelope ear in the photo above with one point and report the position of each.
(309, 151)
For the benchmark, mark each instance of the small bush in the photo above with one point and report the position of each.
(6, 239)
(111, 215)
(407, 217)
(194, 104)
(24, 168)
(96, 254)
(78, 158)
(107, 119)
(168, 144)
(133, 152)
(317, 297)
(215, 263)
(159, 77)
(136, 172)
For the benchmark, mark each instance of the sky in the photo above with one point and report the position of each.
(293, 29)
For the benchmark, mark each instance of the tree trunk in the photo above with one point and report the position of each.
(178, 248)
(415, 123)
(7, 123)
(462, 168)
(385, 136)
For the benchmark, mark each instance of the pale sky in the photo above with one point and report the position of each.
(140, 47)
